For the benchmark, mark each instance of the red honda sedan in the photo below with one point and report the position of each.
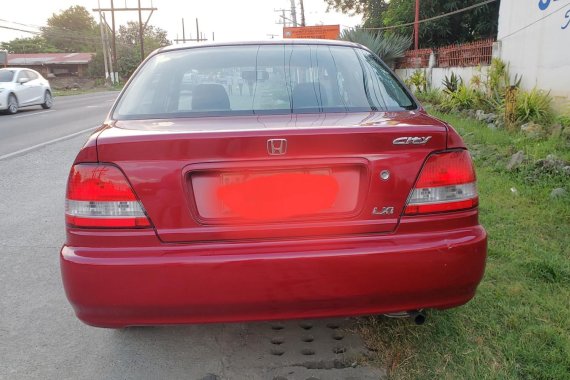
(269, 180)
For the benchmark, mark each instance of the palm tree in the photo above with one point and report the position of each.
(388, 47)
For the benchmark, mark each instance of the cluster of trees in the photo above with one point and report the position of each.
(74, 30)
(476, 24)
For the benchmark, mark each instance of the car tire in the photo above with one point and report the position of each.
(12, 105)
(48, 101)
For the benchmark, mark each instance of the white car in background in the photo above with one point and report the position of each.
(21, 87)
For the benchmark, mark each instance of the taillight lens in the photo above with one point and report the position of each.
(99, 195)
(447, 182)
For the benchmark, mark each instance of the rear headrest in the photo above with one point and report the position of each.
(309, 95)
(210, 97)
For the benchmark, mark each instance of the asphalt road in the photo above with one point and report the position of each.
(40, 338)
(70, 114)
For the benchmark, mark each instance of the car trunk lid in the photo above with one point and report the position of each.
(267, 177)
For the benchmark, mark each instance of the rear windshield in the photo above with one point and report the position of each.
(6, 75)
(261, 79)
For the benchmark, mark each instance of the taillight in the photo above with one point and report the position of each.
(446, 183)
(99, 195)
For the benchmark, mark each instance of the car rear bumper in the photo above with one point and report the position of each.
(223, 282)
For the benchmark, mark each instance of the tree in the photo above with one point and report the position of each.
(35, 44)
(478, 23)
(128, 45)
(72, 30)
(371, 10)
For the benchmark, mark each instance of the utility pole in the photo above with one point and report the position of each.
(113, 60)
(200, 36)
(417, 26)
(197, 30)
(141, 33)
(294, 13)
(282, 18)
(302, 13)
(103, 42)
(114, 75)
(109, 52)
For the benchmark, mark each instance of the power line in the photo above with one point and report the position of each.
(434, 18)
(533, 23)
(67, 34)
(19, 30)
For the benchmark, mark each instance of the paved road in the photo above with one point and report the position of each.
(40, 336)
(34, 125)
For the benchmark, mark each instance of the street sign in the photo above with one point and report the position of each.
(325, 32)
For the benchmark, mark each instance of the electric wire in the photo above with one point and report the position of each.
(433, 18)
(533, 23)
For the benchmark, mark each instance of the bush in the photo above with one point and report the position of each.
(432, 95)
(452, 83)
(563, 120)
(418, 80)
(387, 46)
(534, 106)
(463, 99)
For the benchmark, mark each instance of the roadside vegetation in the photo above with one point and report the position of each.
(83, 87)
(75, 30)
(517, 326)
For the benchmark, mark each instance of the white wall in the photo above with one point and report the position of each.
(436, 75)
(540, 52)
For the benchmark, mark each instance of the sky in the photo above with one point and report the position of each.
(230, 20)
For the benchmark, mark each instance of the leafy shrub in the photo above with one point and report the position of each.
(462, 99)
(476, 81)
(431, 95)
(452, 83)
(563, 120)
(418, 80)
(535, 106)
(498, 81)
(498, 77)
(387, 46)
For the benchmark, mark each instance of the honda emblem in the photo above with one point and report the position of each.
(276, 147)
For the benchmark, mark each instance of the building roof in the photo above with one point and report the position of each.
(50, 59)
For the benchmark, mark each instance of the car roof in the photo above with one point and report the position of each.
(16, 68)
(290, 41)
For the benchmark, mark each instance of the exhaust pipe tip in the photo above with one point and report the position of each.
(418, 316)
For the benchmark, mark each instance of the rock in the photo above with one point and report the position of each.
(556, 131)
(471, 113)
(490, 117)
(551, 161)
(491, 126)
(558, 193)
(566, 170)
(516, 160)
(480, 115)
(532, 130)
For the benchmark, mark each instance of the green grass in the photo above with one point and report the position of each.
(89, 91)
(518, 325)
